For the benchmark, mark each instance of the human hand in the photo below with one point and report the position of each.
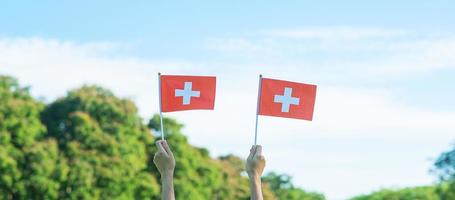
(164, 159)
(255, 162)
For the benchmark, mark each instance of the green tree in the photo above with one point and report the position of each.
(106, 144)
(445, 169)
(237, 186)
(29, 164)
(417, 193)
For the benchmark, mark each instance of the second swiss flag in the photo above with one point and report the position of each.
(287, 99)
(187, 92)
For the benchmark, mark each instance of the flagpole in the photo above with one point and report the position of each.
(257, 110)
(161, 113)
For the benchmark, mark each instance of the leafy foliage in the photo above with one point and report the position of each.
(418, 193)
(106, 144)
(29, 164)
(446, 190)
(445, 169)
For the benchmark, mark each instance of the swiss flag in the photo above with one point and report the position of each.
(287, 99)
(187, 92)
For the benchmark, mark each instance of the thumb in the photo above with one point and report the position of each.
(259, 150)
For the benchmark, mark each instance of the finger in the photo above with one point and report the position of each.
(166, 147)
(160, 158)
(159, 141)
(259, 150)
(160, 147)
(252, 151)
(160, 155)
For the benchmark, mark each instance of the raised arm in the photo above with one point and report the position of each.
(165, 162)
(255, 165)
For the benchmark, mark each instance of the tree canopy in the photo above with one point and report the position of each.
(445, 169)
(417, 193)
(106, 144)
(29, 164)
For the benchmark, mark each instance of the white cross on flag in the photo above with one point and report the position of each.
(286, 99)
(187, 92)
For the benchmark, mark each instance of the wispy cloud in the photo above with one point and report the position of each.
(371, 52)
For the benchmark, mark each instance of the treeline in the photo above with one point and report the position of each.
(91, 144)
(444, 168)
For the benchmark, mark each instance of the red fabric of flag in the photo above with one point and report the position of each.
(187, 93)
(287, 99)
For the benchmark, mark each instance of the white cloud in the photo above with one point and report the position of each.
(360, 140)
(368, 52)
(52, 67)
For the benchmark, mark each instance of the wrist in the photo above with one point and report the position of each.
(254, 177)
(169, 175)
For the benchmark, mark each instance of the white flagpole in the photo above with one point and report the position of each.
(161, 113)
(257, 111)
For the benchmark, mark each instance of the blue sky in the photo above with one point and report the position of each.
(384, 69)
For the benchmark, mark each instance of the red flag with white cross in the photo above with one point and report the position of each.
(187, 92)
(286, 99)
